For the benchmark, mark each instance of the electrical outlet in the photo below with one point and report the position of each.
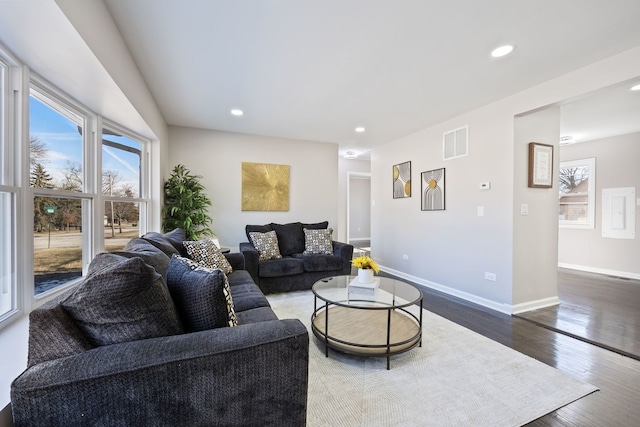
(490, 276)
(405, 257)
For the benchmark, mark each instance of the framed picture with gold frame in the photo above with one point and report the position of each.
(540, 165)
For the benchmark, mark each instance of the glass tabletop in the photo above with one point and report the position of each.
(388, 293)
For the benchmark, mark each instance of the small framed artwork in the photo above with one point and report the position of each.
(433, 185)
(540, 165)
(402, 180)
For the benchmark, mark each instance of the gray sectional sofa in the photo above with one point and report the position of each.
(294, 269)
(123, 348)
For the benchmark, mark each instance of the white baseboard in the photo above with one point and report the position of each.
(604, 271)
(500, 307)
(534, 305)
(358, 239)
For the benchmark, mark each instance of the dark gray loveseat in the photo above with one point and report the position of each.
(255, 373)
(295, 270)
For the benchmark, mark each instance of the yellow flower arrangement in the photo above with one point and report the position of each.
(366, 263)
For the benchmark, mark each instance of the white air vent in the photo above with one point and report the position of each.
(456, 143)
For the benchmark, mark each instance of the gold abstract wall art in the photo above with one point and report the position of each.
(265, 187)
(402, 180)
(433, 185)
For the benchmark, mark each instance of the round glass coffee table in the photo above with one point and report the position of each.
(366, 320)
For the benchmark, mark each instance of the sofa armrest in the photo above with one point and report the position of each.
(251, 260)
(252, 374)
(236, 259)
(343, 250)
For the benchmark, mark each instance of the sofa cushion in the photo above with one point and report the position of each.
(280, 267)
(149, 253)
(256, 315)
(317, 241)
(241, 277)
(201, 295)
(120, 300)
(176, 237)
(320, 262)
(266, 244)
(290, 238)
(316, 225)
(161, 242)
(54, 334)
(248, 296)
(257, 228)
(206, 253)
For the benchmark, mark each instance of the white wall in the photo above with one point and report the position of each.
(535, 235)
(218, 156)
(93, 22)
(452, 249)
(616, 166)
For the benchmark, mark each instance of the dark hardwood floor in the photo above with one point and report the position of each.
(598, 309)
(617, 403)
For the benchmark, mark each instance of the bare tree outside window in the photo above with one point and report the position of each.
(575, 183)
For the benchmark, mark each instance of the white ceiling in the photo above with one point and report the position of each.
(607, 112)
(314, 70)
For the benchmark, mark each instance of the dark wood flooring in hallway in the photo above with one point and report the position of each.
(602, 310)
(618, 377)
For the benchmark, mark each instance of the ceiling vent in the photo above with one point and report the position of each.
(456, 143)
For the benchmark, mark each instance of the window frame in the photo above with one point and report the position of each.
(590, 163)
(144, 198)
(10, 119)
(75, 112)
(17, 84)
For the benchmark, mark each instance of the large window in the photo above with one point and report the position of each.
(60, 200)
(122, 188)
(577, 193)
(71, 184)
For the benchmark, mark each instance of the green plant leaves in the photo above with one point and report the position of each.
(185, 204)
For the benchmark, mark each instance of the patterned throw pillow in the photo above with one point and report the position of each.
(318, 241)
(266, 244)
(197, 296)
(206, 253)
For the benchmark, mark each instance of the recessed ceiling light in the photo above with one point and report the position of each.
(236, 112)
(359, 129)
(502, 51)
(636, 88)
(350, 155)
(567, 139)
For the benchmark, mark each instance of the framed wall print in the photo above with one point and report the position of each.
(402, 180)
(540, 165)
(433, 190)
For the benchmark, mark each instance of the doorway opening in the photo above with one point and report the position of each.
(359, 212)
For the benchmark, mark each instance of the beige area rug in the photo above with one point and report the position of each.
(457, 378)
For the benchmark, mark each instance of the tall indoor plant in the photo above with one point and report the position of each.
(185, 204)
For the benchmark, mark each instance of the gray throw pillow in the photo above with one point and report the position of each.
(121, 300)
(161, 242)
(202, 295)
